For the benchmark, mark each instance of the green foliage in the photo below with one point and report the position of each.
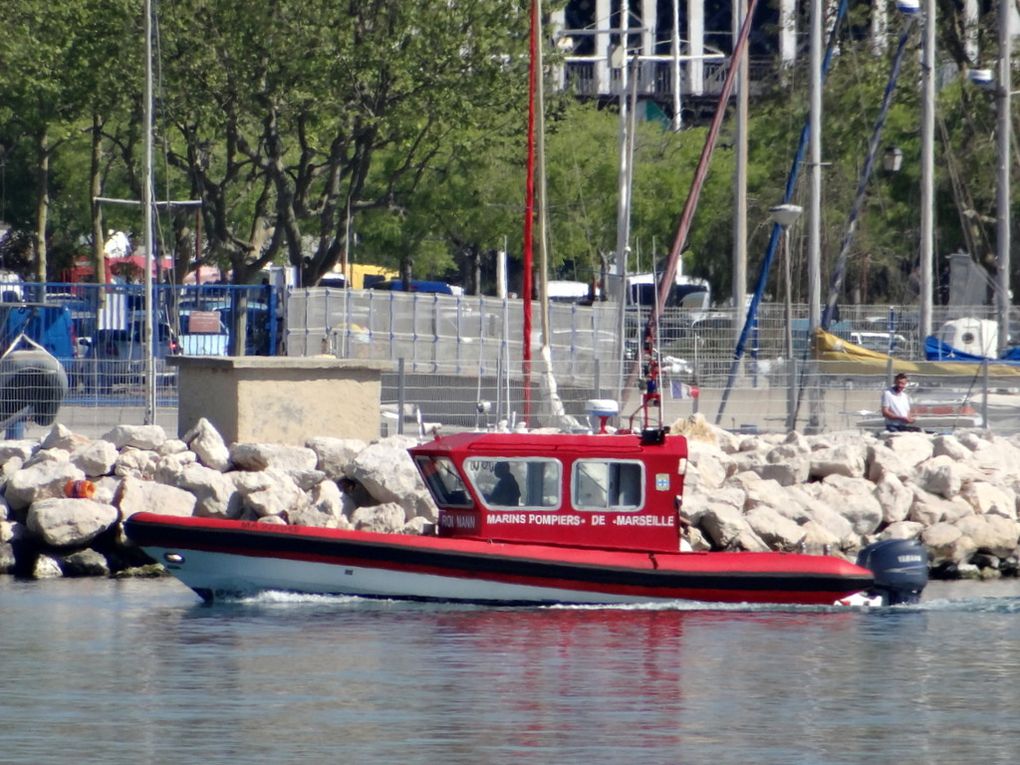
(290, 118)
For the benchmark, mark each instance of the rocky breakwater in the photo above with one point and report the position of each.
(330, 482)
(839, 491)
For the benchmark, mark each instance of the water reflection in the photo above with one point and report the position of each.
(345, 680)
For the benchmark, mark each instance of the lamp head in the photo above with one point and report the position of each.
(983, 78)
(785, 215)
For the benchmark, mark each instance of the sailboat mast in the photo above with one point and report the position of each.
(149, 347)
(541, 205)
(927, 168)
(1002, 202)
(529, 214)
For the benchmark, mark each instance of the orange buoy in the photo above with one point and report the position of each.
(83, 489)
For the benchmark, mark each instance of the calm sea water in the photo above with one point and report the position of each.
(100, 671)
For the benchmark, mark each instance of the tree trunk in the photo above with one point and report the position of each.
(42, 202)
(96, 185)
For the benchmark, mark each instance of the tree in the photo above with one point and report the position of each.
(290, 113)
(54, 57)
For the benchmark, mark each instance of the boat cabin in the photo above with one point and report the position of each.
(610, 491)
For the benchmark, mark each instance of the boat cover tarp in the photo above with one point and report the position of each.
(842, 357)
(936, 350)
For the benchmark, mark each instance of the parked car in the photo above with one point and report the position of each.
(202, 333)
(419, 285)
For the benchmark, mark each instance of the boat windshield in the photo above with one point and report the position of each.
(443, 481)
(513, 482)
(608, 485)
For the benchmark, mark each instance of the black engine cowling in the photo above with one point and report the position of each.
(900, 568)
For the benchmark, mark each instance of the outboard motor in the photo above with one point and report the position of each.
(900, 568)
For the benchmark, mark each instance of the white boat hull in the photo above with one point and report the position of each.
(226, 575)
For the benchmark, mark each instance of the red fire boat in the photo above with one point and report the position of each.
(527, 519)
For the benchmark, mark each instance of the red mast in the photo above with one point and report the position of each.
(529, 204)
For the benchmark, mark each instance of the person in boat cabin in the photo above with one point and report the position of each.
(506, 491)
(896, 406)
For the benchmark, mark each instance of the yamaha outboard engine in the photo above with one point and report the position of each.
(900, 568)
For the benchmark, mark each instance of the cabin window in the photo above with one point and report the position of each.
(443, 481)
(509, 482)
(608, 485)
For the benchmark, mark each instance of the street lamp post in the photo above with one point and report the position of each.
(786, 216)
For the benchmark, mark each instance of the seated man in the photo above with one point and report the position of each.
(506, 491)
(896, 406)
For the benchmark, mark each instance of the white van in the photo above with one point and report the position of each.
(880, 342)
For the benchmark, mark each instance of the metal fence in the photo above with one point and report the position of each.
(97, 333)
(461, 357)
(462, 365)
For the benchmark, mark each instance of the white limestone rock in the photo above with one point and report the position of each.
(140, 463)
(325, 509)
(777, 532)
(61, 437)
(172, 446)
(940, 475)
(9, 468)
(950, 446)
(895, 498)
(852, 498)
(880, 461)
(912, 448)
(40, 481)
(947, 544)
(273, 493)
(106, 488)
(334, 455)
(144, 437)
(929, 509)
(307, 479)
(386, 471)
(767, 493)
(62, 522)
(902, 530)
(825, 515)
(248, 456)
(135, 495)
(96, 458)
(387, 518)
(7, 560)
(989, 499)
(846, 459)
(46, 567)
(787, 464)
(817, 538)
(723, 524)
(208, 445)
(20, 448)
(170, 466)
(47, 455)
(992, 534)
(707, 466)
(215, 493)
